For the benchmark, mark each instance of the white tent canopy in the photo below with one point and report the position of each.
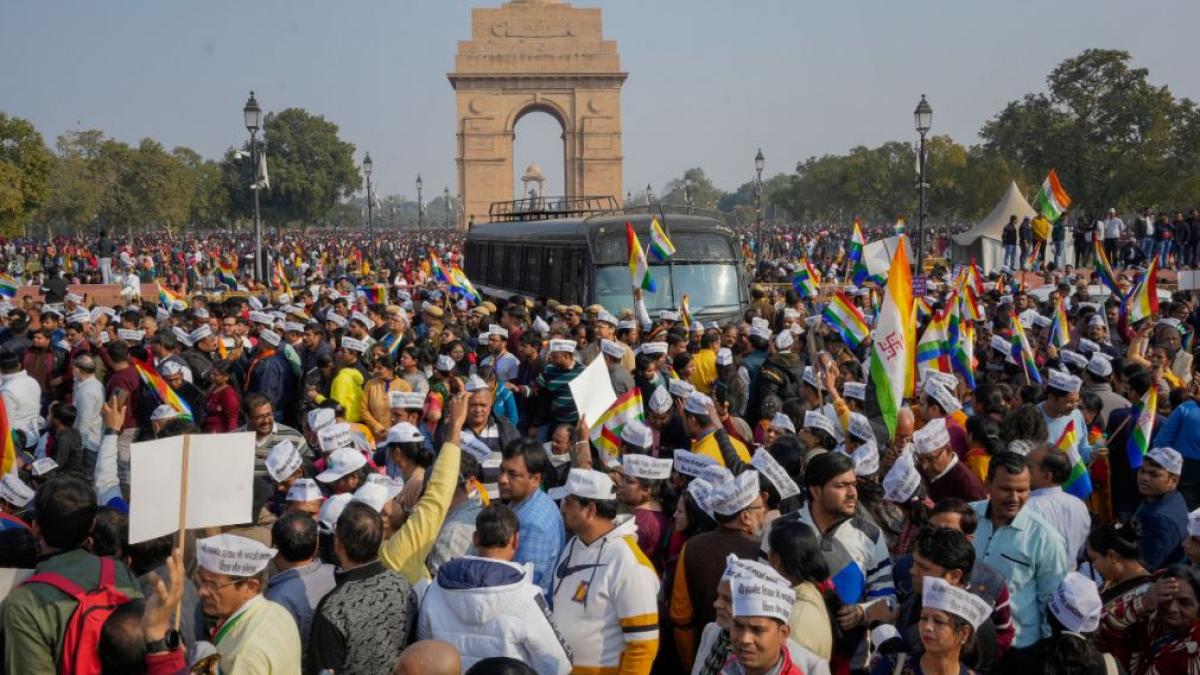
(982, 242)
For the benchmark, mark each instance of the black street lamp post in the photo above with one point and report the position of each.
(923, 116)
(252, 115)
(420, 207)
(760, 162)
(368, 166)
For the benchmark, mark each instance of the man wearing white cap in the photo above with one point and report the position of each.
(605, 591)
(1061, 408)
(252, 634)
(614, 353)
(945, 475)
(1162, 517)
(503, 362)
(758, 633)
(738, 506)
(553, 385)
(703, 426)
(1098, 380)
(640, 489)
(270, 375)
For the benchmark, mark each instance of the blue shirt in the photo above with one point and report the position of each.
(542, 538)
(1032, 557)
(1056, 425)
(1163, 525)
(1179, 431)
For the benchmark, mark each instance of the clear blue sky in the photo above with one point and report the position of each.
(709, 81)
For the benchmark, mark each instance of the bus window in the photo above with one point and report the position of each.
(573, 279)
(553, 275)
(531, 281)
(512, 268)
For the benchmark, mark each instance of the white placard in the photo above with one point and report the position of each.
(10, 578)
(593, 391)
(220, 486)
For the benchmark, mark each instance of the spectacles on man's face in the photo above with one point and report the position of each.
(211, 586)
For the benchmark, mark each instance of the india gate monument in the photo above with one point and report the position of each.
(536, 55)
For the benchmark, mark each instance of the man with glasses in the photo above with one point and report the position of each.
(252, 634)
(523, 466)
(268, 433)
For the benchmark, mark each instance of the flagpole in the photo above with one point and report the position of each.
(183, 497)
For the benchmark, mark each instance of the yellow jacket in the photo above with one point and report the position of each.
(406, 550)
(1041, 228)
(705, 373)
(707, 446)
(347, 389)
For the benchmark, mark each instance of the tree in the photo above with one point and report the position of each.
(25, 168)
(310, 169)
(705, 195)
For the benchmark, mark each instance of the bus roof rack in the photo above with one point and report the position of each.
(550, 208)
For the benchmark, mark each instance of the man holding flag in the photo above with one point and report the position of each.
(1061, 408)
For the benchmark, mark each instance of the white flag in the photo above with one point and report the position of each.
(262, 180)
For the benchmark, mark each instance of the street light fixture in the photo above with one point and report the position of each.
(369, 166)
(446, 198)
(687, 193)
(923, 117)
(649, 193)
(252, 116)
(420, 209)
(760, 162)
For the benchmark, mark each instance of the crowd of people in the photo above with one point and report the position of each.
(428, 499)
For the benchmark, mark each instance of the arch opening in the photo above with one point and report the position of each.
(539, 138)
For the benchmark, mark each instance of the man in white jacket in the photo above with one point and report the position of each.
(487, 605)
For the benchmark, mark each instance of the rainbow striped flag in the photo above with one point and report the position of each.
(1079, 483)
(8, 286)
(1052, 199)
(374, 295)
(606, 432)
(1060, 327)
(857, 242)
(166, 298)
(661, 247)
(161, 389)
(1142, 416)
(1035, 255)
(933, 349)
(1104, 268)
(439, 272)
(460, 284)
(1142, 301)
(844, 317)
(685, 312)
(806, 281)
(1022, 353)
(8, 449)
(961, 335)
(279, 279)
(924, 308)
(893, 341)
(639, 269)
(227, 276)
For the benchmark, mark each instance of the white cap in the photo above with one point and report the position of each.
(1167, 458)
(607, 317)
(646, 467)
(660, 401)
(169, 368)
(680, 388)
(540, 326)
(855, 390)
(342, 462)
(567, 346)
(498, 331)
(319, 418)
(393, 485)
(1002, 345)
(585, 483)
(335, 436)
(445, 363)
(130, 335)
(668, 315)
(810, 377)
(760, 597)
(866, 459)
(724, 356)
(200, 333)
(902, 480)
(406, 400)
(293, 327)
(790, 313)
(14, 490)
(304, 490)
(163, 412)
(654, 348)
(1073, 358)
(43, 466)
(1041, 321)
(283, 461)
(781, 421)
(761, 331)
(931, 437)
(943, 397)
(767, 465)
(355, 345)
(715, 474)
(233, 555)
(627, 324)
(946, 380)
(335, 318)
(331, 510)
(636, 433)
(254, 303)
(1100, 365)
(939, 594)
(262, 318)
(269, 336)
(697, 403)
(734, 496)
(1194, 523)
(784, 340)
(1064, 382)
(688, 463)
(372, 494)
(612, 348)
(816, 420)
(475, 383)
(701, 491)
(860, 428)
(1096, 320)
(404, 432)
(363, 319)
(1076, 603)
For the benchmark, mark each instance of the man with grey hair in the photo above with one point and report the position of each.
(88, 396)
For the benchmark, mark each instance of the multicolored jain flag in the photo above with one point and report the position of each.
(1079, 483)
(1104, 268)
(1022, 352)
(893, 342)
(1060, 331)
(1143, 297)
(845, 318)
(639, 269)
(606, 432)
(161, 389)
(661, 247)
(1052, 199)
(8, 286)
(806, 281)
(1142, 417)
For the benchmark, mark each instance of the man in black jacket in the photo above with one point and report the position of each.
(105, 248)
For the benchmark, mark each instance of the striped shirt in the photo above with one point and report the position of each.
(554, 382)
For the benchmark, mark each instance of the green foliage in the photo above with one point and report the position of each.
(25, 168)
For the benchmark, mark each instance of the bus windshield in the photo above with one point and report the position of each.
(710, 288)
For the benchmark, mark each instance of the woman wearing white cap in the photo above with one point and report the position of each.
(1074, 616)
(949, 618)
(1158, 632)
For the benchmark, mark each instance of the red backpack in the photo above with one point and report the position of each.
(81, 641)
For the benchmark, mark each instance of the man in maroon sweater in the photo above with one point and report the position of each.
(945, 475)
(124, 378)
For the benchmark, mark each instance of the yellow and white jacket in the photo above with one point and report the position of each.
(605, 603)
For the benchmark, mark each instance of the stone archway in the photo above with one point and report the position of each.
(536, 55)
